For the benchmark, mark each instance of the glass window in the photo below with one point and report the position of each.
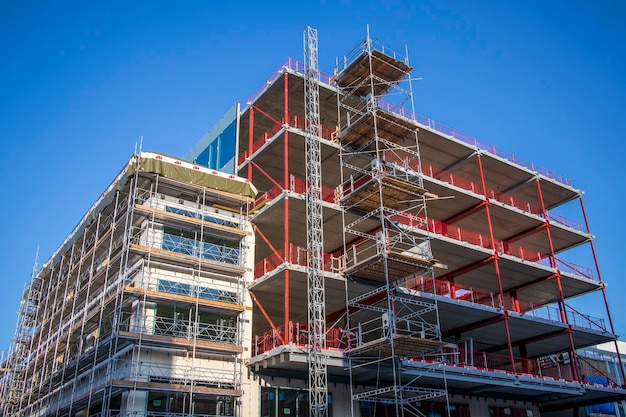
(283, 402)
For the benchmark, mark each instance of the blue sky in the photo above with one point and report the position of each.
(81, 82)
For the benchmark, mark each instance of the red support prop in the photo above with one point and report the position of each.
(256, 229)
(496, 262)
(562, 309)
(268, 116)
(265, 174)
(267, 317)
(606, 301)
(286, 200)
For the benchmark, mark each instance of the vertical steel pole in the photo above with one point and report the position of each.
(318, 378)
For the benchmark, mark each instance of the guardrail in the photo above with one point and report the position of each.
(476, 188)
(294, 121)
(296, 255)
(299, 67)
(298, 335)
(448, 131)
(473, 295)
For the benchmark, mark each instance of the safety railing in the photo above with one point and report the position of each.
(368, 45)
(476, 188)
(460, 292)
(296, 255)
(593, 375)
(299, 123)
(205, 250)
(291, 64)
(552, 367)
(299, 67)
(463, 235)
(574, 317)
(298, 335)
(296, 185)
(179, 328)
(448, 131)
(457, 233)
(508, 302)
(269, 195)
(191, 289)
(572, 268)
(509, 200)
(294, 121)
(566, 222)
(259, 142)
(519, 251)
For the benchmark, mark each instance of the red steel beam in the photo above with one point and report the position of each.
(265, 239)
(286, 201)
(267, 317)
(268, 116)
(564, 319)
(465, 213)
(496, 263)
(532, 283)
(532, 339)
(476, 325)
(525, 233)
(466, 268)
(265, 174)
(606, 301)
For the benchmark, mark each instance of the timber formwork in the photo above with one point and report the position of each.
(479, 280)
(142, 309)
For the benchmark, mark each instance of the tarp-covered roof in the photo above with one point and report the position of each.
(195, 174)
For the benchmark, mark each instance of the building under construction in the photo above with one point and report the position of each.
(325, 251)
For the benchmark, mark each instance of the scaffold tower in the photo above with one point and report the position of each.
(15, 381)
(386, 237)
(318, 390)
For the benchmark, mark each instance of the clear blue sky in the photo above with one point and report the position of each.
(81, 82)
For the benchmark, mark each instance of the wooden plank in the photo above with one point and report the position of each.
(184, 298)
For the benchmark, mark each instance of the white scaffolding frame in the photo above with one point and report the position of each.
(386, 324)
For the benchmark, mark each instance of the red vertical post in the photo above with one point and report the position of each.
(496, 262)
(514, 301)
(606, 301)
(562, 308)
(287, 246)
(452, 288)
(250, 141)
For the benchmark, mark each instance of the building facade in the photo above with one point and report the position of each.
(602, 364)
(444, 292)
(143, 308)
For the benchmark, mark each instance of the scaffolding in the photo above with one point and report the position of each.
(146, 308)
(142, 309)
(387, 324)
(318, 377)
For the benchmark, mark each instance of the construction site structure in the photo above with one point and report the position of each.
(448, 252)
(386, 237)
(143, 309)
(441, 260)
